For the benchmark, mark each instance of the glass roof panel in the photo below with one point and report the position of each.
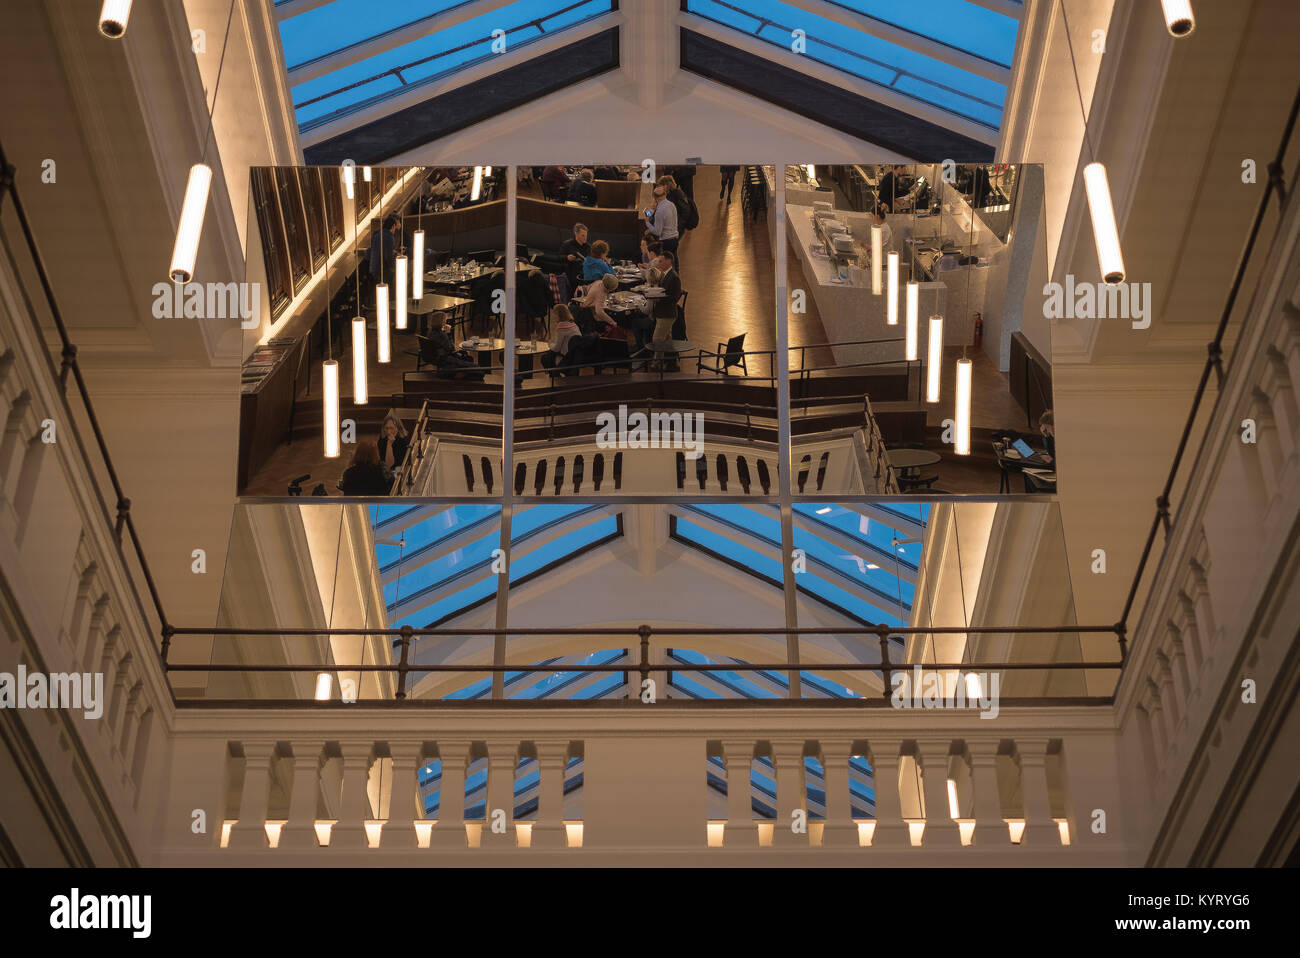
(340, 25)
(900, 68)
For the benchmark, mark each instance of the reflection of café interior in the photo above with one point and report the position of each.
(909, 367)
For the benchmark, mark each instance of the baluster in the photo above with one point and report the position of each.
(940, 829)
(350, 830)
(891, 831)
(1040, 828)
(840, 830)
(299, 832)
(399, 830)
(548, 827)
(990, 824)
(249, 831)
(791, 792)
(450, 830)
(741, 830)
(502, 764)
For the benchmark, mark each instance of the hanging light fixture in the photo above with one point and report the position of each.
(190, 227)
(935, 350)
(350, 179)
(891, 312)
(382, 331)
(365, 173)
(324, 686)
(417, 276)
(487, 171)
(877, 244)
(330, 376)
(1178, 17)
(359, 395)
(112, 18)
(186, 248)
(1104, 231)
(961, 418)
(1100, 208)
(477, 187)
(913, 291)
(400, 293)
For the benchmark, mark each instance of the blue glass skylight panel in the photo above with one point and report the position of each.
(434, 529)
(437, 54)
(871, 532)
(342, 24)
(965, 26)
(870, 58)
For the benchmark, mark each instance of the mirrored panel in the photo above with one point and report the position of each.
(919, 352)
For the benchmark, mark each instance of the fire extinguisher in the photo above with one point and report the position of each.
(979, 330)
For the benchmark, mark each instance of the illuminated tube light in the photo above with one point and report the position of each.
(1104, 231)
(954, 811)
(877, 244)
(477, 188)
(365, 173)
(812, 170)
(381, 323)
(112, 18)
(961, 441)
(400, 294)
(350, 179)
(330, 376)
(913, 291)
(891, 314)
(324, 686)
(487, 171)
(190, 227)
(359, 395)
(936, 359)
(417, 267)
(1178, 17)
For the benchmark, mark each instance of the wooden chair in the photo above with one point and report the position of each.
(732, 353)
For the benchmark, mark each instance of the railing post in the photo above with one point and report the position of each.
(1121, 633)
(123, 510)
(644, 665)
(886, 673)
(403, 663)
(69, 355)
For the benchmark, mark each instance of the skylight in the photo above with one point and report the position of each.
(346, 55)
(970, 34)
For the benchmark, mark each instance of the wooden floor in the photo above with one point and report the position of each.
(729, 272)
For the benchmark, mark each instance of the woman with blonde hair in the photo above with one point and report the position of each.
(564, 329)
(393, 442)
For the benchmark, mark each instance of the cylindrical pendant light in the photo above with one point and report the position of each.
(365, 173)
(190, 226)
(891, 310)
(1104, 231)
(417, 265)
(381, 323)
(112, 18)
(961, 417)
(359, 395)
(477, 188)
(349, 179)
(913, 291)
(400, 293)
(487, 171)
(935, 350)
(324, 686)
(877, 244)
(811, 169)
(1178, 17)
(330, 376)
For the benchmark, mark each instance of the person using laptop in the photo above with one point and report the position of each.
(1047, 426)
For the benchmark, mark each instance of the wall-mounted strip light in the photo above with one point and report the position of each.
(112, 18)
(190, 227)
(1178, 17)
(961, 417)
(330, 376)
(935, 352)
(400, 293)
(913, 291)
(477, 188)
(383, 339)
(891, 313)
(1104, 231)
(350, 180)
(877, 244)
(417, 266)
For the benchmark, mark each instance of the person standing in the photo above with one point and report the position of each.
(728, 181)
(685, 177)
(661, 221)
(665, 310)
(575, 250)
(383, 253)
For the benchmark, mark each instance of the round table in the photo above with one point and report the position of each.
(912, 459)
(484, 348)
(524, 357)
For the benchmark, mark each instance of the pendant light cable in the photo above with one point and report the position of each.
(1074, 67)
(221, 64)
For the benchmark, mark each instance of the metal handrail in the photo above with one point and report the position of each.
(123, 521)
(1214, 358)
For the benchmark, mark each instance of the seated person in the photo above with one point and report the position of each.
(439, 351)
(596, 296)
(575, 250)
(596, 264)
(565, 329)
(555, 181)
(392, 444)
(365, 477)
(1047, 427)
(650, 250)
(583, 190)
